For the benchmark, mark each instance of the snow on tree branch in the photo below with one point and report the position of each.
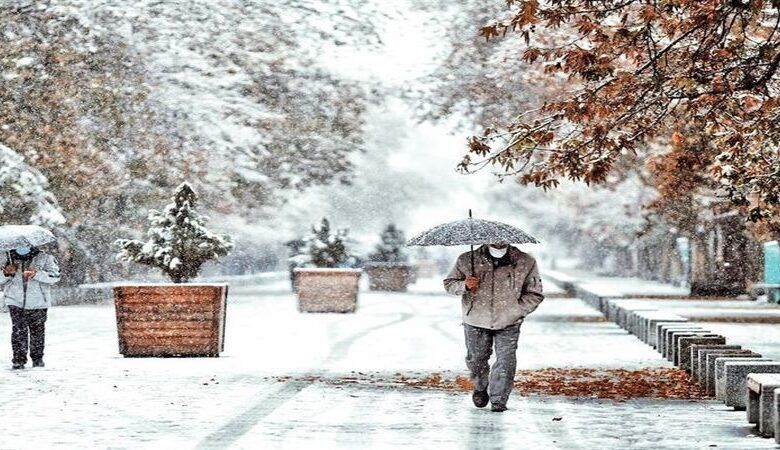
(24, 192)
(179, 243)
(324, 248)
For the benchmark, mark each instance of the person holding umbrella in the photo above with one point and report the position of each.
(499, 286)
(28, 274)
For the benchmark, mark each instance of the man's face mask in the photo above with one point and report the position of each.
(22, 251)
(498, 252)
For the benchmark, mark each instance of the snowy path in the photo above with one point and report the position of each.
(90, 397)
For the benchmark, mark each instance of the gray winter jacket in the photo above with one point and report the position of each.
(38, 294)
(505, 294)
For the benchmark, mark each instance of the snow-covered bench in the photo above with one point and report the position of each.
(768, 289)
(733, 386)
(760, 395)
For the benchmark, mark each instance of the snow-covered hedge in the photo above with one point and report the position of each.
(179, 243)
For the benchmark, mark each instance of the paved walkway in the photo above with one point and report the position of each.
(90, 397)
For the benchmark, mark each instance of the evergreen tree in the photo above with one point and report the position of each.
(178, 243)
(324, 248)
(391, 248)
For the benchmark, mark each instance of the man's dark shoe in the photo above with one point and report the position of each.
(497, 407)
(38, 363)
(17, 366)
(480, 398)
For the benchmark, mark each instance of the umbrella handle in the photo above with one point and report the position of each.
(472, 251)
(472, 260)
(471, 294)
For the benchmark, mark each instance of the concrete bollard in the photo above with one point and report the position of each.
(683, 353)
(614, 308)
(776, 415)
(646, 321)
(760, 395)
(715, 369)
(699, 363)
(650, 325)
(664, 336)
(663, 328)
(674, 339)
(626, 312)
(638, 320)
(734, 385)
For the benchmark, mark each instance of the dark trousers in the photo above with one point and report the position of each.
(28, 327)
(498, 380)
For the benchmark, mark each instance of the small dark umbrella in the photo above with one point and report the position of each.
(472, 232)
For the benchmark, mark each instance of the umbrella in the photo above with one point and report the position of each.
(13, 236)
(472, 232)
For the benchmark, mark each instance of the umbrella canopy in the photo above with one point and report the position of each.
(13, 236)
(472, 232)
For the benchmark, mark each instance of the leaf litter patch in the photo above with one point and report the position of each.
(614, 384)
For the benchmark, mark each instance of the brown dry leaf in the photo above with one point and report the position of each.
(615, 384)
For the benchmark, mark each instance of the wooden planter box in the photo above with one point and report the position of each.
(327, 290)
(389, 276)
(171, 319)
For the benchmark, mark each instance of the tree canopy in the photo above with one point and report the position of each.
(638, 74)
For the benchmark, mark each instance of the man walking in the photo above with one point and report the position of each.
(499, 287)
(27, 278)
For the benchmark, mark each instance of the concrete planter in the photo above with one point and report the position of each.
(171, 319)
(389, 276)
(327, 290)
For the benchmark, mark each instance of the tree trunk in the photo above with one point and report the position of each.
(726, 259)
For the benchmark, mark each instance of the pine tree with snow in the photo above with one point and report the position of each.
(179, 243)
(324, 248)
(391, 247)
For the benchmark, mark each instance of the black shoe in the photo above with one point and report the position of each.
(38, 363)
(480, 398)
(497, 407)
(17, 366)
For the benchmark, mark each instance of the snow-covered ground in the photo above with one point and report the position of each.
(88, 396)
(619, 286)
